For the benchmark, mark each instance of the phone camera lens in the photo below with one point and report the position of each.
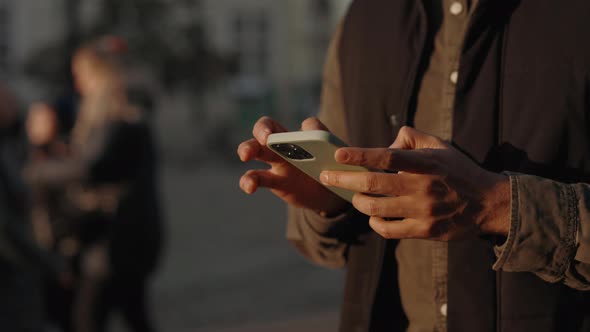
(292, 151)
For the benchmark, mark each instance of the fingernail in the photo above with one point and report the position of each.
(324, 178)
(342, 155)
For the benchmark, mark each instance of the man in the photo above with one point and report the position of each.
(506, 83)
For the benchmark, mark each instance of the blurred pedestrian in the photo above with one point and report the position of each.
(53, 216)
(22, 261)
(113, 159)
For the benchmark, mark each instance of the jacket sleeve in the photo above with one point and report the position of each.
(320, 239)
(549, 231)
(323, 240)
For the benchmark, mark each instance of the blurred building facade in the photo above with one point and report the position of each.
(276, 47)
(26, 25)
(279, 48)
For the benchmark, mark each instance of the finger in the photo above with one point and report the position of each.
(252, 150)
(248, 150)
(370, 182)
(422, 161)
(254, 179)
(409, 138)
(395, 229)
(386, 207)
(264, 127)
(313, 123)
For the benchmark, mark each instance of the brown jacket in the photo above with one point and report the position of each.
(522, 105)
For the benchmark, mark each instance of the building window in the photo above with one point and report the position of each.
(251, 42)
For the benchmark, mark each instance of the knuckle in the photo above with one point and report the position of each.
(404, 130)
(371, 183)
(388, 162)
(361, 158)
(334, 178)
(373, 207)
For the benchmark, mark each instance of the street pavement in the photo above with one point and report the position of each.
(227, 265)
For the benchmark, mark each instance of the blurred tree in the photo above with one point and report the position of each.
(165, 36)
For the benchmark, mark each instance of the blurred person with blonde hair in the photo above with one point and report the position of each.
(113, 163)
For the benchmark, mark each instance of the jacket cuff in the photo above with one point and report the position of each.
(313, 222)
(543, 228)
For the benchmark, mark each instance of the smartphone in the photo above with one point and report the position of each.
(312, 152)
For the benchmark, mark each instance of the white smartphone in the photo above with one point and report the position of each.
(312, 152)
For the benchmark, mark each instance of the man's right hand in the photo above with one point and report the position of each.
(283, 179)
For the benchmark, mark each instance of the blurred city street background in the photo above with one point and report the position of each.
(227, 264)
(204, 70)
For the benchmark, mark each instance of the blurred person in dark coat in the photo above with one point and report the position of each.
(42, 127)
(113, 160)
(53, 215)
(22, 261)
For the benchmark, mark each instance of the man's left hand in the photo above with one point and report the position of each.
(437, 192)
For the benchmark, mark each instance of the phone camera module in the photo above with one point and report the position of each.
(292, 151)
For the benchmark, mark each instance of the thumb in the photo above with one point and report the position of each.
(409, 138)
(313, 124)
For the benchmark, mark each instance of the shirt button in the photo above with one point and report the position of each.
(456, 8)
(443, 310)
(454, 77)
(393, 120)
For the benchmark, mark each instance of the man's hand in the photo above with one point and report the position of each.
(438, 192)
(283, 179)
